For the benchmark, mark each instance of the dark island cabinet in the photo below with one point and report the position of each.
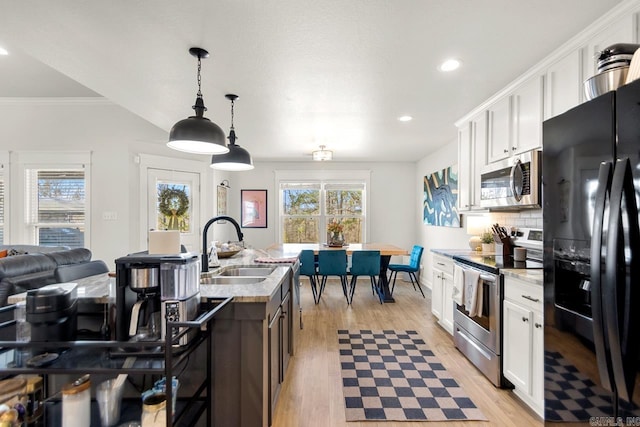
(254, 342)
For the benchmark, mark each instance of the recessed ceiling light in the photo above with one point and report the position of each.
(450, 65)
(3, 51)
(405, 118)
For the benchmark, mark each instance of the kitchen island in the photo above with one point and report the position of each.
(253, 338)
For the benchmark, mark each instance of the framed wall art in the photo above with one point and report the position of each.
(440, 202)
(222, 200)
(253, 208)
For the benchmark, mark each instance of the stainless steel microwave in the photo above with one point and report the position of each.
(513, 183)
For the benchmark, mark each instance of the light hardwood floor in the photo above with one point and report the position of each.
(312, 392)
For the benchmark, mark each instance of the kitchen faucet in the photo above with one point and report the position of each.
(205, 255)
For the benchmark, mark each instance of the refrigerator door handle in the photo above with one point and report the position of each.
(597, 266)
(620, 294)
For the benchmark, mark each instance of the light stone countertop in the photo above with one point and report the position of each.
(100, 289)
(534, 276)
(254, 292)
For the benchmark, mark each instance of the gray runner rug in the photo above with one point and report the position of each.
(392, 375)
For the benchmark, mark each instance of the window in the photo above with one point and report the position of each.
(56, 206)
(307, 208)
(2, 198)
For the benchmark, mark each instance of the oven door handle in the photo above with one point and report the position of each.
(486, 278)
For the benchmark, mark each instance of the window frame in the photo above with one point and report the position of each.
(324, 177)
(26, 231)
(4, 178)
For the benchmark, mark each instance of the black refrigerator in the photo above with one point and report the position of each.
(591, 188)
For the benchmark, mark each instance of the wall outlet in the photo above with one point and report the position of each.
(109, 216)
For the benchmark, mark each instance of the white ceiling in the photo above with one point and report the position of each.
(307, 72)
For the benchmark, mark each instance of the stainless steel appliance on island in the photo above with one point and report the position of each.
(151, 289)
(591, 173)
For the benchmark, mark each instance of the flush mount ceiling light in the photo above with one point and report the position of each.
(450, 65)
(405, 118)
(3, 51)
(322, 154)
(197, 134)
(237, 159)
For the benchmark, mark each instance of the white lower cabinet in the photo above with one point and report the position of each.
(523, 345)
(442, 291)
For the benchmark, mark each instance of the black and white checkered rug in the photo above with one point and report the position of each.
(570, 396)
(392, 375)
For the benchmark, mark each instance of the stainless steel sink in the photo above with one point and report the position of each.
(230, 280)
(247, 271)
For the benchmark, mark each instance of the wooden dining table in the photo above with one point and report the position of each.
(387, 250)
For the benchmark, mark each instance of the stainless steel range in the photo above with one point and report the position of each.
(479, 336)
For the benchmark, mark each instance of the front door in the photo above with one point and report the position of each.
(173, 203)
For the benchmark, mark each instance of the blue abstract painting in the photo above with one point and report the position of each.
(440, 204)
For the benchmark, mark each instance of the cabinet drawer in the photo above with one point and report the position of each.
(523, 293)
(443, 263)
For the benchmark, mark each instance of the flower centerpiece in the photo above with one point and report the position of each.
(334, 231)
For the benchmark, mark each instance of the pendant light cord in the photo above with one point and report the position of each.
(199, 94)
(232, 103)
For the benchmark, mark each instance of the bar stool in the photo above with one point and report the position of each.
(333, 262)
(411, 269)
(308, 268)
(365, 263)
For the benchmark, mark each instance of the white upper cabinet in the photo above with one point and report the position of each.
(527, 116)
(515, 121)
(472, 156)
(619, 31)
(499, 143)
(563, 85)
(465, 171)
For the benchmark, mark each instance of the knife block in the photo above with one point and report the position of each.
(504, 247)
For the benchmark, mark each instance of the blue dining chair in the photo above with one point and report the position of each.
(365, 263)
(333, 262)
(411, 269)
(308, 268)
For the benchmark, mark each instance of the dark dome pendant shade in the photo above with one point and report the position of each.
(197, 134)
(237, 159)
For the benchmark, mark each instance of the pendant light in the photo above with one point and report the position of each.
(237, 159)
(197, 134)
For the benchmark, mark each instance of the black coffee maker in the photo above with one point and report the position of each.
(138, 298)
(52, 313)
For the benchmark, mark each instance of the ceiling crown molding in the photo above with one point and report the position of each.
(55, 101)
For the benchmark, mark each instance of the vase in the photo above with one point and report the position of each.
(335, 239)
(488, 247)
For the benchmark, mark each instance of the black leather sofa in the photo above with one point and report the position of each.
(19, 273)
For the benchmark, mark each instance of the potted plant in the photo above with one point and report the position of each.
(487, 241)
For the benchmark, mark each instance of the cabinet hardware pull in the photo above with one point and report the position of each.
(513, 148)
(530, 298)
(439, 263)
(505, 150)
(538, 325)
(524, 319)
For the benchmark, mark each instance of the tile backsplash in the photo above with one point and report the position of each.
(524, 219)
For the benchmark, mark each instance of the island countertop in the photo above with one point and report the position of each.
(255, 292)
(100, 289)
